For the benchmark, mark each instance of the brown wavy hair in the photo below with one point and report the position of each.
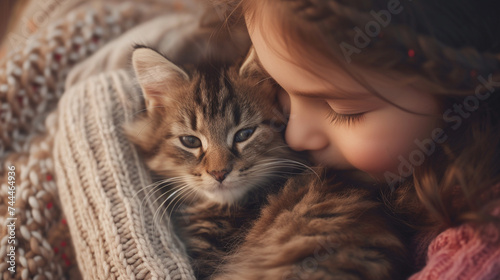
(448, 48)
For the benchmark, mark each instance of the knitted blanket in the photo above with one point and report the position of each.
(70, 199)
(101, 179)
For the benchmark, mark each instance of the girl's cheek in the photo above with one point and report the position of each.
(384, 142)
(372, 157)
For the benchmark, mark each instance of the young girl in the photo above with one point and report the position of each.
(406, 91)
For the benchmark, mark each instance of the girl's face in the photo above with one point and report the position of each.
(367, 133)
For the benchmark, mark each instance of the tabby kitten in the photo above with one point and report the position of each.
(215, 128)
(216, 132)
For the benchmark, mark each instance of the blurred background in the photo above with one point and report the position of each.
(20, 18)
(9, 12)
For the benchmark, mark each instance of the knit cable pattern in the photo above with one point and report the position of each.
(101, 182)
(32, 80)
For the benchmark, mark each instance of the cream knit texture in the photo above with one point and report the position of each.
(32, 78)
(101, 181)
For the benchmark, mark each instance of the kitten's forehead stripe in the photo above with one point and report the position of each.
(228, 94)
(211, 91)
(236, 114)
(217, 93)
(193, 117)
(197, 93)
(251, 112)
(201, 88)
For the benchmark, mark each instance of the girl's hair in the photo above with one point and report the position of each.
(448, 48)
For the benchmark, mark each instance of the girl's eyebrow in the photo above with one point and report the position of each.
(334, 96)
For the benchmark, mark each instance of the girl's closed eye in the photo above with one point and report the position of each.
(336, 118)
(344, 118)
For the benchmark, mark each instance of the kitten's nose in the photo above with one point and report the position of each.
(219, 175)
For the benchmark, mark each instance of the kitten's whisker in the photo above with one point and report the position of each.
(170, 181)
(273, 172)
(165, 201)
(145, 188)
(185, 189)
(158, 208)
(274, 148)
(272, 169)
(143, 110)
(274, 160)
(183, 197)
(149, 194)
(274, 166)
(156, 183)
(174, 190)
(172, 194)
(265, 79)
(267, 175)
(278, 147)
(298, 163)
(194, 193)
(279, 165)
(142, 129)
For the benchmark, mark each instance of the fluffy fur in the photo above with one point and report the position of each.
(242, 216)
(213, 104)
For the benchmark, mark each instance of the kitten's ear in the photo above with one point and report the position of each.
(156, 75)
(251, 65)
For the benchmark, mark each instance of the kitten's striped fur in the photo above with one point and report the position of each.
(212, 103)
(230, 229)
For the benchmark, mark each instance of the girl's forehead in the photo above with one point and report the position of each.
(297, 74)
(313, 77)
(300, 65)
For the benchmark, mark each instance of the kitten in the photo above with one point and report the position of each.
(217, 129)
(216, 132)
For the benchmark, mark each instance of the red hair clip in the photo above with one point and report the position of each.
(411, 52)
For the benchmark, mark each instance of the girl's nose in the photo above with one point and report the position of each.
(304, 130)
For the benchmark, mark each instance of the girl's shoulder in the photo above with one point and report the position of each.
(468, 251)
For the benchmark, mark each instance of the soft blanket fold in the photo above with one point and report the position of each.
(101, 178)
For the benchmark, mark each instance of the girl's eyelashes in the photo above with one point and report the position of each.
(345, 119)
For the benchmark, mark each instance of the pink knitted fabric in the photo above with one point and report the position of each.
(465, 252)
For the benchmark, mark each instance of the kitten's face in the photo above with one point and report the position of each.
(217, 131)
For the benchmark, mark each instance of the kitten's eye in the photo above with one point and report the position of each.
(243, 134)
(190, 141)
